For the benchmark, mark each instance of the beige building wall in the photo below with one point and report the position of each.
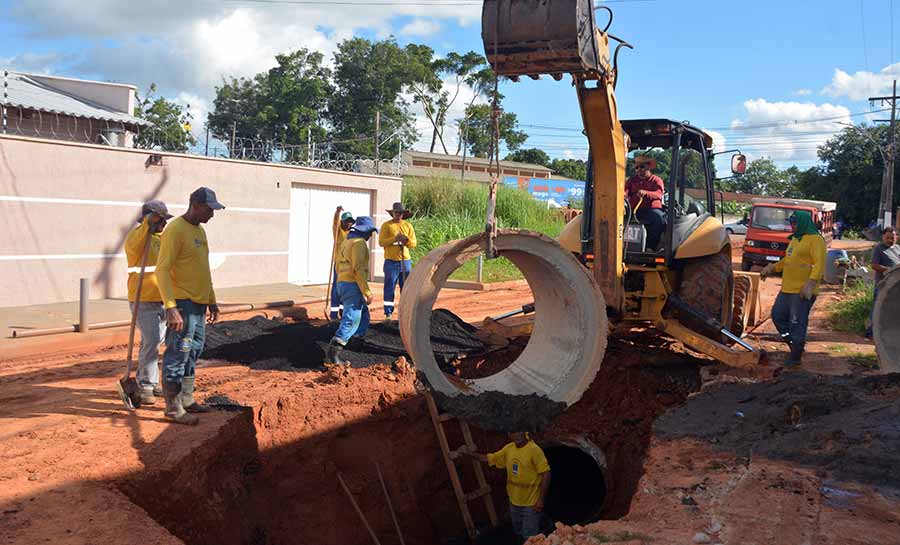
(65, 209)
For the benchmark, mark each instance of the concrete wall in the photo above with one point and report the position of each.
(65, 209)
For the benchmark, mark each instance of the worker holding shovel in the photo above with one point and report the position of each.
(353, 288)
(185, 282)
(340, 227)
(151, 316)
(397, 237)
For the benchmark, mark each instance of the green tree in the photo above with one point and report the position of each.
(575, 169)
(482, 83)
(533, 156)
(369, 78)
(427, 85)
(285, 104)
(479, 134)
(763, 177)
(851, 173)
(170, 129)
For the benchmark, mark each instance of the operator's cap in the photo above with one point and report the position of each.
(207, 196)
(156, 207)
(346, 216)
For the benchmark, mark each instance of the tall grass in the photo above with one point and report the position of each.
(851, 312)
(446, 209)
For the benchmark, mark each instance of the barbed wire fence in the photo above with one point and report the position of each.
(321, 155)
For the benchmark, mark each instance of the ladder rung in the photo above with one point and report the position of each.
(456, 454)
(445, 417)
(480, 493)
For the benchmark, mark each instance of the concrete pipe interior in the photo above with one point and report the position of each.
(886, 323)
(579, 481)
(569, 339)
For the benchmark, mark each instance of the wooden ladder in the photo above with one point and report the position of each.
(450, 457)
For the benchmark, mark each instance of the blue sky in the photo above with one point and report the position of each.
(719, 64)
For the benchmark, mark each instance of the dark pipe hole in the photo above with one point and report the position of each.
(577, 487)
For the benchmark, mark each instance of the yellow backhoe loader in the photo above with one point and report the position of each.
(685, 287)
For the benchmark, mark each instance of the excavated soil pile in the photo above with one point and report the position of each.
(849, 426)
(275, 344)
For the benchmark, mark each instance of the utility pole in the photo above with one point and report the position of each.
(377, 141)
(465, 137)
(5, 98)
(885, 205)
(233, 135)
(206, 151)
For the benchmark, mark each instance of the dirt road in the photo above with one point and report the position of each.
(77, 469)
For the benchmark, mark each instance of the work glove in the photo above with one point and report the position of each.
(768, 270)
(809, 290)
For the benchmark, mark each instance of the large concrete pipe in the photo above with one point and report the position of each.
(886, 323)
(569, 339)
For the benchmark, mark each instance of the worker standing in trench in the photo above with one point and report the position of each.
(397, 237)
(802, 269)
(527, 481)
(185, 283)
(353, 289)
(340, 226)
(151, 316)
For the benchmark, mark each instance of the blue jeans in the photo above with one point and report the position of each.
(335, 298)
(526, 522)
(183, 347)
(655, 220)
(394, 272)
(151, 322)
(355, 321)
(790, 313)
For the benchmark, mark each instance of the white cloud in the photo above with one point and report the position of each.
(786, 131)
(420, 27)
(802, 92)
(863, 84)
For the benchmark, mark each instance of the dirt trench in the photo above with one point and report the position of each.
(270, 476)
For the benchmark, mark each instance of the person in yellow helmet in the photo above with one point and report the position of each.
(151, 316)
(802, 270)
(397, 237)
(353, 289)
(340, 226)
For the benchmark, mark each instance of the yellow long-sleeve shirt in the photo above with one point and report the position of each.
(387, 239)
(353, 264)
(182, 268)
(804, 260)
(134, 250)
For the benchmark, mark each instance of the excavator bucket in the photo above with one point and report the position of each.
(534, 37)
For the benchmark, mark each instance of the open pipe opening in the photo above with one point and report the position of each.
(578, 486)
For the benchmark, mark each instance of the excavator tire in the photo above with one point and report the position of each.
(742, 287)
(707, 285)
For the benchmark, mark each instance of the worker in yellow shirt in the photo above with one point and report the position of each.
(151, 316)
(527, 481)
(340, 226)
(185, 283)
(397, 237)
(353, 289)
(802, 269)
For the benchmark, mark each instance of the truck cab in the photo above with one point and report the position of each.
(769, 228)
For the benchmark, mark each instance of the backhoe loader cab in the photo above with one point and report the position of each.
(682, 154)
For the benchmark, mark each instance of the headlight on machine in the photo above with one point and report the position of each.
(750, 243)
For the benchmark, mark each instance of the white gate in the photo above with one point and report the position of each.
(312, 210)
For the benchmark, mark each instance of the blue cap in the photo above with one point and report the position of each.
(207, 196)
(364, 225)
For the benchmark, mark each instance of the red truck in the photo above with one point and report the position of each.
(769, 227)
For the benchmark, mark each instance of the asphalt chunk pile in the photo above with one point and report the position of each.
(849, 425)
(263, 343)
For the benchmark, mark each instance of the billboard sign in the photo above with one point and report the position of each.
(561, 192)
